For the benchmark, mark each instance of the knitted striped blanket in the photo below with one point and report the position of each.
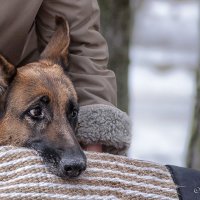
(24, 176)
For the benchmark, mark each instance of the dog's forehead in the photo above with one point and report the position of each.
(43, 74)
(41, 78)
(38, 69)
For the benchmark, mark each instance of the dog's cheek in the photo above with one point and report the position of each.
(12, 132)
(19, 139)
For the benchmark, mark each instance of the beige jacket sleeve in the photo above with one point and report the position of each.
(95, 84)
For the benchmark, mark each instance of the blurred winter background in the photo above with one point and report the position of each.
(163, 60)
(162, 79)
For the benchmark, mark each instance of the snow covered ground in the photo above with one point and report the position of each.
(161, 114)
(162, 80)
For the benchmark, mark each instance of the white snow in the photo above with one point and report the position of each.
(163, 58)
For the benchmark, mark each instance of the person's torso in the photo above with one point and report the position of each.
(17, 28)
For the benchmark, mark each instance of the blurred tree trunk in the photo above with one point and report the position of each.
(115, 26)
(193, 157)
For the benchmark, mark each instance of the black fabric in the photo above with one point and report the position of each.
(187, 181)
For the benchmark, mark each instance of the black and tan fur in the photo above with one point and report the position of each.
(39, 106)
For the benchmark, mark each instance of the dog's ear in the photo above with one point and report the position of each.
(57, 48)
(7, 73)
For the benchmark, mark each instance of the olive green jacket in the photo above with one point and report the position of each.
(27, 25)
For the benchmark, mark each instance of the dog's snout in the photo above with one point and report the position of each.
(66, 162)
(73, 168)
(73, 162)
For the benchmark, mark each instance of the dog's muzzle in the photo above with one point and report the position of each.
(67, 162)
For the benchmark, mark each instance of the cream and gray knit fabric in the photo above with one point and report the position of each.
(23, 176)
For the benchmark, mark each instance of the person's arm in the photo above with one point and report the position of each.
(95, 84)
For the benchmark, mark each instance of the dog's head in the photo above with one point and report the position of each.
(39, 107)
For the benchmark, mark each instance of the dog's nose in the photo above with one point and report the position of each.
(74, 169)
(73, 162)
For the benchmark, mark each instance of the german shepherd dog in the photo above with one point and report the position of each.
(39, 106)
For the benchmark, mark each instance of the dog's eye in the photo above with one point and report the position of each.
(74, 113)
(36, 113)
